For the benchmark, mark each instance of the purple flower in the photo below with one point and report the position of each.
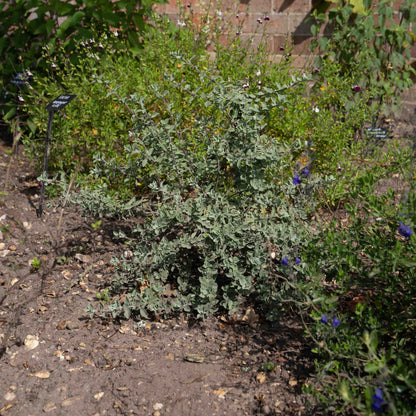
(20, 99)
(316, 70)
(405, 230)
(100, 47)
(297, 260)
(285, 261)
(296, 179)
(53, 66)
(259, 21)
(266, 18)
(281, 48)
(305, 171)
(356, 88)
(325, 320)
(378, 401)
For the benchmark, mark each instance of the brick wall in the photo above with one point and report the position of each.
(280, 19)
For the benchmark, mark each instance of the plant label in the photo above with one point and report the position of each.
(59, 102)
(377, 133)
(19, 79)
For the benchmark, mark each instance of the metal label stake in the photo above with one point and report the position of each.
(55, 105)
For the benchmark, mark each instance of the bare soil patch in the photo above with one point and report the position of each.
(55, 360)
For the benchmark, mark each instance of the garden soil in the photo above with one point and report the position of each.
(57, 360)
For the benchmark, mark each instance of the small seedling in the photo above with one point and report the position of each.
(269, 367)
(96, 225)
(103, 296)
(36, 263)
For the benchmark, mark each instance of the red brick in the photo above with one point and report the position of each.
(299, 24)
(413, 51)
(301, 45)
(276, 24)
(295, 6)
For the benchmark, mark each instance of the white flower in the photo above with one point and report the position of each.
(258, 73)
(316, 109)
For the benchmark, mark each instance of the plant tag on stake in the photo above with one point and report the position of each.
(59, 102)
(55, 105)
(377, 133)
(19, 79)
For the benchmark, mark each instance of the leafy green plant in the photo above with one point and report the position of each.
(35, 264)
(29, 26)
(103, 296)
(217, 206)
(371, 43)
(366, 361)
(269, 367)
(96, 225)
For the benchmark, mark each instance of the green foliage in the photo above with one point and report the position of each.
(225, 161)
(27, 26)
(371, 43)
(326, 117)
(103, 296)
(111, 86)
(35, 264)
(367, 268)
(96, 225)
(91, 122)
(217, 206)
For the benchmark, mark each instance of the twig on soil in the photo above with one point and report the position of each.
(16, 138)
(71, 183)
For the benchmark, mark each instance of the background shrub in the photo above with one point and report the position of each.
(370, 45)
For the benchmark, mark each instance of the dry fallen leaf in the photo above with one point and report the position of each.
(43, 308)
(250, 317)
(41, 374)
(70, 401)
(99, 396)
(67, 274)
(31, 342)
(261, 378)
(293, 382)
(9, 396)
(49, 407)
(61, 325)
(6, 407)
(194, 358)
(220, 393)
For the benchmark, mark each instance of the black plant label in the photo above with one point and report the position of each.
(59, 102)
